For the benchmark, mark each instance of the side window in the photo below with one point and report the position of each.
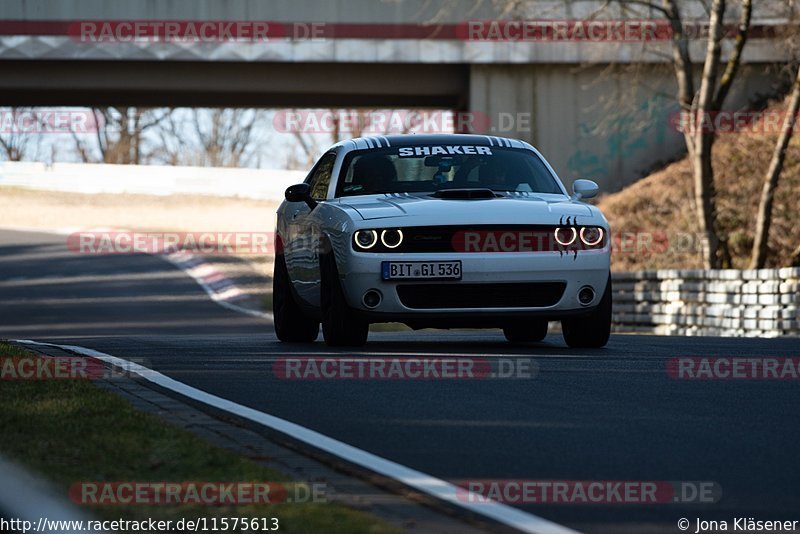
(321, 177)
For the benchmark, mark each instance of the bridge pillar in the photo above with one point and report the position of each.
(611, 124)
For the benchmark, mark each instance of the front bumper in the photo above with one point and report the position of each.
(361, 272)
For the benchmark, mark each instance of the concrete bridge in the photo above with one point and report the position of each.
(594, 99)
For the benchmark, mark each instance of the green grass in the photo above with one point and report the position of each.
(389, 327)
(71, 431)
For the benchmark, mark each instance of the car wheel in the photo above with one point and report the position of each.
(533, 330)
(291, 324)
(590, 331)
(341, 327)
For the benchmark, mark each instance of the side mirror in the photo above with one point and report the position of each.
(584, 189)
(300, 193)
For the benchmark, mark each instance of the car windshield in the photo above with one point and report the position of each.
(415, 169)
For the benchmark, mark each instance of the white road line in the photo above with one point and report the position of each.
(422, 482)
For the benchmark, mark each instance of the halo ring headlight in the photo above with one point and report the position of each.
(394, 240)
(564, 243)
(366, 239)
(588, 241)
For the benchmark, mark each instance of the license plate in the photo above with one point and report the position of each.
(421, 270)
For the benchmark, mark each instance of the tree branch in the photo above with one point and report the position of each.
(736, 56)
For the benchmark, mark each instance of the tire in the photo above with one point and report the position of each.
(523, 332)
(590, 331)
(291, 324)
(341, 327)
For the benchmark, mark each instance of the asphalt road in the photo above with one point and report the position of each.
(611, 414)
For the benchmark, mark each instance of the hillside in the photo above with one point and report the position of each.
(653, 221)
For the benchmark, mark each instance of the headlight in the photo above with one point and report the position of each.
(392, 238)
(591, 235)
(366, 239)
(566, 236)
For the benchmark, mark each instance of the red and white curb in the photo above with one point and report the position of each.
(218, 286)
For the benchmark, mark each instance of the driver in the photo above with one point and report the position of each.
(374, 173)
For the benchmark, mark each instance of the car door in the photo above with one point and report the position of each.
(306, 233)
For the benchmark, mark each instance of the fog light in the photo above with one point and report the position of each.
(586, 295)
(372, 298)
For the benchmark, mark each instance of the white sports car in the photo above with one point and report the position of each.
(440, 231)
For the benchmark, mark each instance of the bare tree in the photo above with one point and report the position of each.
(209, 137)
(347, 123)
(225, 136)
(312, 144)
(758, 258)
(16, 141)
(698, 98)
(794, 260)
(120, 135)
(699, 105)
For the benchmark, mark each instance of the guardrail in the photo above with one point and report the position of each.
(25, 498)
(261, 184)
(749, 303)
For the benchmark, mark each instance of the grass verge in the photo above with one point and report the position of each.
(72, 432)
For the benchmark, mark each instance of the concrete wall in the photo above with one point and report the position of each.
(593, 122)
(258, 184)
(752, 303)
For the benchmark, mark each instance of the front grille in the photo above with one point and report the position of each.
(460, 295)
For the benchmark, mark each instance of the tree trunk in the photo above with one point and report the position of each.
(794, 261)
(764, 220)
(704, 196)
(704, 190)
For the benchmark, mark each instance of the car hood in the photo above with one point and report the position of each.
(514, 208)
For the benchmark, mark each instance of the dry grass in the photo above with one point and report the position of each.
(662, 206)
